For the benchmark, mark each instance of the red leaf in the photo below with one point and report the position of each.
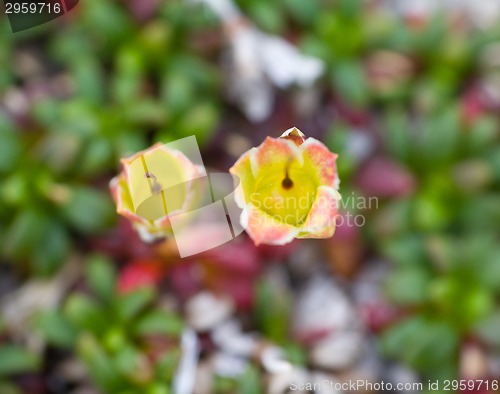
(140, 273)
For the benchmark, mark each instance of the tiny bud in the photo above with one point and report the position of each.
(294, 135)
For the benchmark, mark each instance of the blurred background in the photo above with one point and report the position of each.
(407, 291)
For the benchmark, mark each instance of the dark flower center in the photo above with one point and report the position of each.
(287, 183)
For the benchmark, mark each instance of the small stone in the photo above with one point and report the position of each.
(295, 380)
(228, 365)
(399, 374)
(273, 360)
(473, 362)
(205, 310)
(229, 338)
(338, 351)
(322, 308)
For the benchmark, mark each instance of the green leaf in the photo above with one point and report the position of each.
(131, 304)
(438, 139)
(88, 75)
(167, 364)
(60, 151)
(333, 26)
(95, 158)
(489, 271)
(223, 384)
(431, 212)
(408, 285)
(101, 276)
(460, 300)
(267, 15)
(337, 140)
(99, 365)
(56, 329)
(47, 112)
(115, 338)
(52, 249)
(494, 160)
(397, 138)
(78, 117)
(477, 305)
(16, 189)
(272, 311)
(86, 314)
(145, 112)
(127, 361)
(296, 354)
(160, 322)
(250, 382)
(88, 210)
(177, 92)
(489, 328)
(24, 234)
(405, 250)
(483, 135)
(424, 344)
(350, 82)
(200, 121)
(10, 147)
(15, 359)
(36, 237)
(350, 8)
(303, 11)
(481, 214)
(9, 388)
(158, 388)
(110, 22)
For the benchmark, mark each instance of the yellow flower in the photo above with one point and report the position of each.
(140, 189)
(288, 189)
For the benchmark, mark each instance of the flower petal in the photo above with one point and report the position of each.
(263, 228)
(121, 196)
(274, 153)
(319, 157)
(243, 170)
(320, 222)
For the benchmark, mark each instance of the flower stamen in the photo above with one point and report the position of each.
(155, 185)
(287, 183)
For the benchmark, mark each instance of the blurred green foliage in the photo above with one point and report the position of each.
(15, 359)
(443, 238)
(129, 84)
(127, 342)
(114, 83)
